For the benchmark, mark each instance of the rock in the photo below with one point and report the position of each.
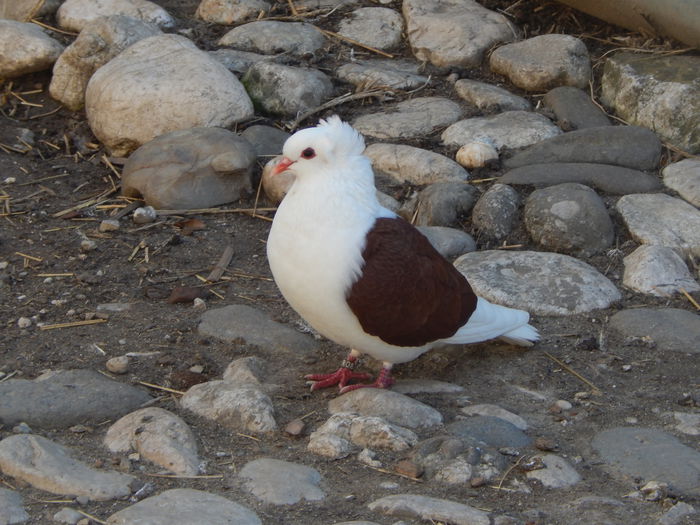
(658, 92)
(266, 140)
(378, 27)
(657, 270)
(627, 146)
(239, 62)
(24, 11)
(540, 282)
(569, 218)
(332, 439)
(108, 225)
(494, 431)
(684, 177)
(242, 408)
(425, 386)
(48, 466)
(454, 33)
(615, 180)
(392, 73)
(25, 48)
(450, 242)
(276, 186)
(74, 15)
(574, 109)
(271, 37)
(663, 220)
(392, 406)
(159, 436)
(510, 129)
(413, 118)
(650, 454)
(432, 509)
(280, 482)
(416, 166)
(477, 155)
(99, 42)
(486, 409)
(490, 98)
(231, 12)
(672, 329)
(235, 322)
(181, 506)
(495, 212)
(688, 424)
(246, 370)
(673, 515)
(376, 433)
(118, 365)
(190, 169)
(543, 62)
(153, 77)
(440, 204)
(457, 472)
(68, 515)
(12, 507)
(65, 398)
(286, 90)
(144, 215)
(557, 474)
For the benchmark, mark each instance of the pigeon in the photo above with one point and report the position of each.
(362, 276)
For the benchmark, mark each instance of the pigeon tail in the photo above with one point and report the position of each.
(525, 335)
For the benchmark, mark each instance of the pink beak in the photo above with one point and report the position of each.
(282, 166)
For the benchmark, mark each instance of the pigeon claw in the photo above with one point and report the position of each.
(384, 380)
(340, 377)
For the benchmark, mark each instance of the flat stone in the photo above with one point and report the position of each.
(557, 474)
(48, 466)
(454, 32)
(65, 398)
(650, 454)
(266, 140)
(432, 509)
(232, 12)
(425, 386)
(190, 169)
(74, 15)
(413, 118)
(270, 37)
(158, 436)
(627, 146)
(495, 212)
(183, 507)
(392, 406)
(485, 409)
(392, 73)
(11, 507)
(660, 219)
(25, 48)
(543, 62)
(401, 163)
(378, 27)
(684, 177)
(569, 218)
(449, 242)
(494, 431)
(671, 328)
(574, 109)
(239, 322)
(488, 97)
(510, 129)
(440, 204)
(615, 180)
(281, 482)
(657, 270)
(658, 92)
(540, 282)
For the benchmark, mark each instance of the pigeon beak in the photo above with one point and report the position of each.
(283, 165)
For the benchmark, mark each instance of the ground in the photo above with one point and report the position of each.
(66, 167)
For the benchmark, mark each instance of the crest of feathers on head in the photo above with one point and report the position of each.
(344, 138)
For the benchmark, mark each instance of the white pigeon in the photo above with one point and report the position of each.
(362, 276)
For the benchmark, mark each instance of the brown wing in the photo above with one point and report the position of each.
(408, 294)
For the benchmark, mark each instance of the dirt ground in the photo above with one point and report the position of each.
(49, 279)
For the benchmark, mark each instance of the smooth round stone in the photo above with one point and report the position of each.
(25, 48)
(671, 328)
(495, 212)
(684, 177)
(271, 37)
(489, 97)
(657, 270)
(378, 27)
(574, 109)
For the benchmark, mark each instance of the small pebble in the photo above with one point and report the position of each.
(562, 404)
(542, 443)
(22, 428)
(87, 245)
(82, 500)
(199, 304)
(109, 225)
(389, 485)
(145, 215)
(9, 180)
(4, 265)
(67, 515)
(24, 322)
(118, 365)
(295, 427)
(626, 368)
(409, 468)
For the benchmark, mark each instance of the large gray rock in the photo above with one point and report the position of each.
(495, 212)
(153, 77)
(232, 11)
(453, 32)
(652, 455)
(185, 506)
(74, 15)
(450, 242)
(11, 507)
(440, 204)
(574, 108)
(430, 509)
(378, 27)
(660, 219)
(266, 140)
(416, 166)
(239, 62)
(657, 270)
(25, 48)
(539, 282)
(569, 218)
(190, 169)
(393, 73)
(270, 37)
(25, 10)
(65, 398)
(489, 97)
(511, 129)
(671, 328)
(615, 180)
(48, 466)
(658, 92)
(281, 482)
(684, 177)
(494, 431)
(628, 146)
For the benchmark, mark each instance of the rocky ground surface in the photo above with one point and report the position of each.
(150, 371)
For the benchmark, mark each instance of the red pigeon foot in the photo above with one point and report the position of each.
(384, 380)
(340, 377)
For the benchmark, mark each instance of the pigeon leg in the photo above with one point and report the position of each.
(384, 380)
(340, 377)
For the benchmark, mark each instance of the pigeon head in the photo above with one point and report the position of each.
(329, 144)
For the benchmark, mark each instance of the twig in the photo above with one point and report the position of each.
(72, 324)
(55, 274)
(40, 115)
(248, 211)
(43, 179)
(91, 517)
(50, 28)
(248, 436)
(690, 298)
(355, 42)
(512, 467)
(335, 102)
(385, 471)
(8, 376)
(221, 265)
(36, 259)
(572, 371)
(178, 476)
(165, 388)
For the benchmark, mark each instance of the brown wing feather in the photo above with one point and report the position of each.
(408, 294)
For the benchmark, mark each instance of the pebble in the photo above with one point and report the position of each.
(109, 225)
(556, 474)
(477, 155)
(428, 508)
(485, 409)
(118, 365)
(144, 215)
(24, 322)
(68, 516)
(278, 482)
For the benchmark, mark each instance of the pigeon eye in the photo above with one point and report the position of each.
(308, 153)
